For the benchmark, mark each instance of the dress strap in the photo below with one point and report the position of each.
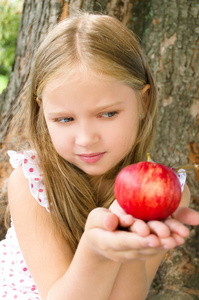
(32, 171)
(182, 175)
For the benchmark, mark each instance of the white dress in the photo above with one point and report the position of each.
(15, 279)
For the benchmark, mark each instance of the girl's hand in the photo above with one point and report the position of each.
(187, 216)
(106, 239)
(171, 232)
(177, 231)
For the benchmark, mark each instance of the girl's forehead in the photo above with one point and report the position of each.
(86, 88)
(78, 75)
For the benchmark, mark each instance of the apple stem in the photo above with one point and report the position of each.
(148, 157)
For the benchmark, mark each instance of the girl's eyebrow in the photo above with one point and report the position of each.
(98, 107)
(58, 114)
(109, 105)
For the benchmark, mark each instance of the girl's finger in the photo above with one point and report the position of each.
(168, 243)
(124, 240)
(187, 216)
(140, 227)
(178, 239)
(116, 208)
(125, 220)
(159, 228)
(177, 227)
(102, 218)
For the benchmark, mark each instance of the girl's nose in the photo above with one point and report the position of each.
(86, 136)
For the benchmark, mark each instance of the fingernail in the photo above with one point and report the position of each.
(165, 247)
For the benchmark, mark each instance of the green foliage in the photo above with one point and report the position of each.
(10, 14)
(3, 82)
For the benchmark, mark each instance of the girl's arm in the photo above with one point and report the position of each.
(57, 273)
(92, 271)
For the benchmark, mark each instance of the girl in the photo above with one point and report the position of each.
(92, 111)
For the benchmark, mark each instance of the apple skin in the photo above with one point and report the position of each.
(148, 191)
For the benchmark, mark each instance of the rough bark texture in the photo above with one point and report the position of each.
(169, 32)
(171, 43)
(37, 18)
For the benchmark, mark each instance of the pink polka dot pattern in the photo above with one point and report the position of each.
(16, 281)
(32, 171)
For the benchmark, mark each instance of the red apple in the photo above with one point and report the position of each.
(148, 191)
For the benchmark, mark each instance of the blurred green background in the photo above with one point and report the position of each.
(10, 14)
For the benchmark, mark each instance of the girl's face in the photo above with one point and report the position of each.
(93, 121)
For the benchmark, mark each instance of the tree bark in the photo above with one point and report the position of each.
(37, 18)
(171, 43)
(169, 33)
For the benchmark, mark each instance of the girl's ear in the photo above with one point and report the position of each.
(145, 93)
(38, 101)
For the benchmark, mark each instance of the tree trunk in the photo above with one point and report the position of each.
(171, 43)
(169, 32)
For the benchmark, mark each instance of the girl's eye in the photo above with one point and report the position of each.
(109, 114)
(64, 120)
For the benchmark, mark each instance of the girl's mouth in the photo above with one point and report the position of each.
(91, 157)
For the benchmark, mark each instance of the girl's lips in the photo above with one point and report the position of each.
(92, 157)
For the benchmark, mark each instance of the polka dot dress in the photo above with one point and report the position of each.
(15, 279)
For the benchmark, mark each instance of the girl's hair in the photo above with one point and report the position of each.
(103, 45)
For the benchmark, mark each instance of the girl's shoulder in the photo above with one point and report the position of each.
(28, 161)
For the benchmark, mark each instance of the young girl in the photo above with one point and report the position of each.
(92, 111)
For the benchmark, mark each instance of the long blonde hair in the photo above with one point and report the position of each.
(103, 45)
